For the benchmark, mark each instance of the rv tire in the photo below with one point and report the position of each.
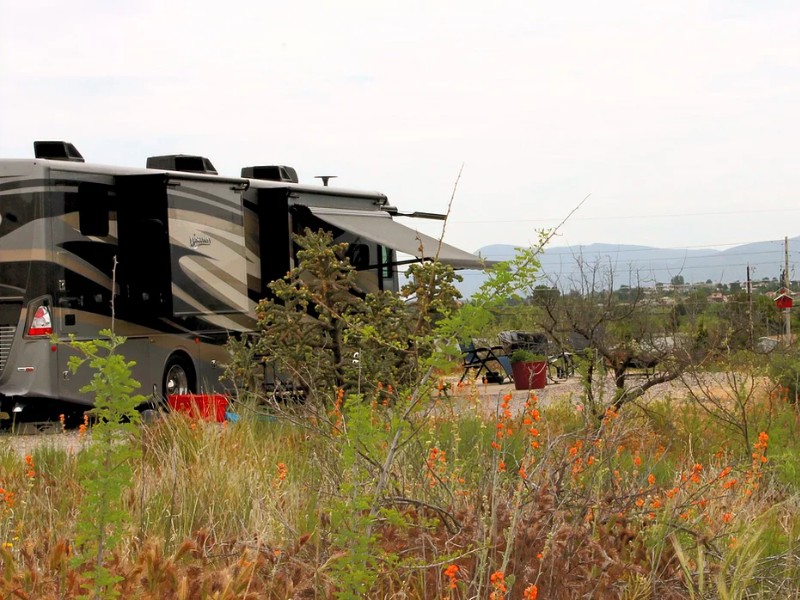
(178, 376)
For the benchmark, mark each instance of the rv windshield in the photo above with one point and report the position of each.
(17, 237)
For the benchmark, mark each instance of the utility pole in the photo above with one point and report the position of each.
(750, 307)
(787, 316)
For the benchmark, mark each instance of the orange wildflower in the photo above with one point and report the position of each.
(31, 466)
(283, 471)
(451, 572)
(498, 581)
(7, 497)
(530, 593)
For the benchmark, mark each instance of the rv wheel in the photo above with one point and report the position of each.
(178, 376)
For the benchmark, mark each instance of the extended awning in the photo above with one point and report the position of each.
(378, 226)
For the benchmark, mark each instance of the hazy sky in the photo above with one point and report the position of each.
(680, 120)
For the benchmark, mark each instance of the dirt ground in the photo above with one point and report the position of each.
(488, 395)
(570, 389)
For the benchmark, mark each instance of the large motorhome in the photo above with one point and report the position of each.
(181, 254)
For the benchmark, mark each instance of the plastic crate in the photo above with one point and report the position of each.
(209, 407)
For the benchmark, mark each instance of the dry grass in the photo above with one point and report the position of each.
(261, 509)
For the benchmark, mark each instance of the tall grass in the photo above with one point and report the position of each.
(653, 503)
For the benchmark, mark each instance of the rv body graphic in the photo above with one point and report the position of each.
(181, 254)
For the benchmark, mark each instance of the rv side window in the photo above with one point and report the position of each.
(387, 260)
(359, 256)
(93, 210)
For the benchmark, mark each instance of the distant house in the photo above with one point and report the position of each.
(717, 297)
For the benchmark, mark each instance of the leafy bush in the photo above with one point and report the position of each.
(522, 355)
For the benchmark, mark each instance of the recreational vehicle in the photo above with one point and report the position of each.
(177, 255)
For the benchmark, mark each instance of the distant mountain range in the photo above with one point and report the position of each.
(645, 266)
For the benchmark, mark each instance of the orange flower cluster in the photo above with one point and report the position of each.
(530, 419)
(729, 483)
(573, 450)
(451, 573)
(637, 460)
(84, 427)
(577, 463)
(31, 466)
(779, 393)
(759, 458)
(530, 593)
(336, 413)
(504, 428)
(498, 581)
(7, 498)
(760, 447)
(695, 475)
(387, 393)
(283, 470)
(436, 464)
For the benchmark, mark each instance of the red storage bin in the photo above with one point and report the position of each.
(209, 407)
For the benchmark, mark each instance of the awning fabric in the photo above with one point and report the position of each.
(378, 226)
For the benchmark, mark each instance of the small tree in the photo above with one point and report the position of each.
(106, 466)
(317, 320)
(615, 335)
